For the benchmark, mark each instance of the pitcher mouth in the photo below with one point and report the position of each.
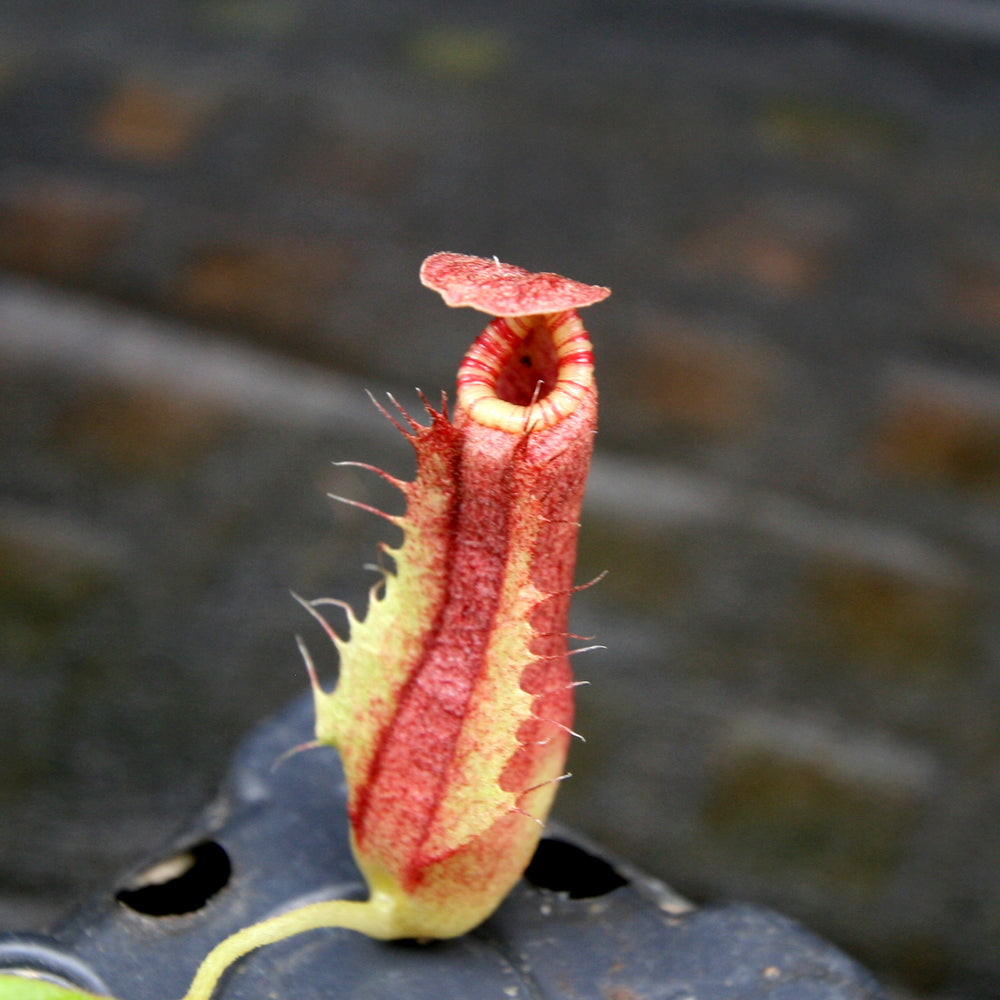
(526, 373)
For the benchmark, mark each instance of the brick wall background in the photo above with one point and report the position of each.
(211, 218)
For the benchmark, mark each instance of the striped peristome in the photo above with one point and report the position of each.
(556, 389)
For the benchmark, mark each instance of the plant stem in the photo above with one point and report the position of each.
(366, 917)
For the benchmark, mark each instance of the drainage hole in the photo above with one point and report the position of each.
(563, 867)
(180, 884)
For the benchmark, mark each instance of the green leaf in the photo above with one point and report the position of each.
(23, 988)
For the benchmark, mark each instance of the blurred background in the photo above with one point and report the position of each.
(212, 214)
